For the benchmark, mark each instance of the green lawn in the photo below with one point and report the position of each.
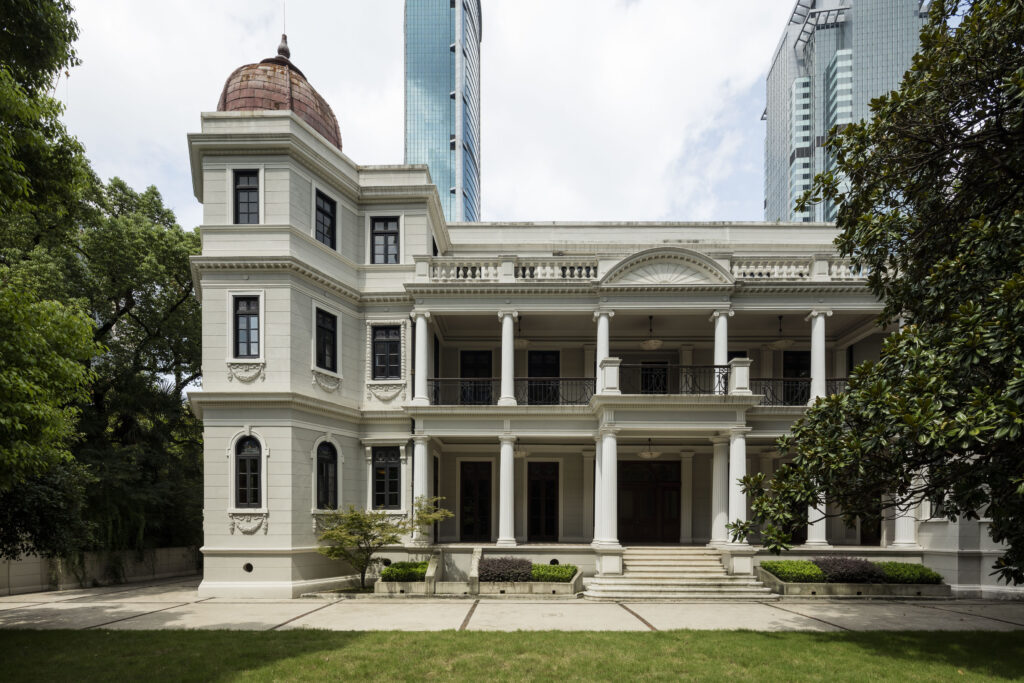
(688, 655)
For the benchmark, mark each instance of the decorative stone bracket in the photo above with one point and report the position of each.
(326, 381)
(248, 522)
(246, 373)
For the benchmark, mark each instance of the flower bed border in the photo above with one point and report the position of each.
(853, 590)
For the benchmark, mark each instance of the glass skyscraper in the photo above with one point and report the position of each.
(834, 57)
(442, 99)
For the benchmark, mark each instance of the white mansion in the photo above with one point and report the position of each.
(571, 389)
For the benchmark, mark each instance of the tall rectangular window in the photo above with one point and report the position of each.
(247, 197)
(387, 352)
(326, 341)
(384, 239)
(247, 473)
(387, 478)
(326, 210)
(326, 477)
(247, 327)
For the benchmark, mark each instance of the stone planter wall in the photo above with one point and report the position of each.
(575, 585)
(864, 590)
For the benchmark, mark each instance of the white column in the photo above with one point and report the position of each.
(603, 344)
(721, 319)
(506, 492)
(420, 397)
(598, 490)
(737, 470)
(905, 535)
(817, 319)
(508, 347)
(609, 489)
(817, 525)
(686, 497)
(420, 478)
(719, 489)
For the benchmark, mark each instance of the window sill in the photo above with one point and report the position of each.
(247, 370)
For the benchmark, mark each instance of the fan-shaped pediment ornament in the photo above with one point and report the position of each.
(674, 268)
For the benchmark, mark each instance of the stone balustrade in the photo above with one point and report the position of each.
(505, 269)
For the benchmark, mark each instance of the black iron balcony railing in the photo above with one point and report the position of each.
(662, 378)
(464, 392)
(528, 391)
(553, 391)
(792, 391)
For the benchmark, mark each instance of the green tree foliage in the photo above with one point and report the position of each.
(930, 193)
(139, 439)
(44, 346)
(357, 535)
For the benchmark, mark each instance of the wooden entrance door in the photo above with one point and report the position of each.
(542, 502)
(475, 501)
(649, 502)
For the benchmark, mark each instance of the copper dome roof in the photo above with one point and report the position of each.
(275, 84)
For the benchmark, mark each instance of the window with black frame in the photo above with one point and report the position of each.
(326, 477)
(326, 341)
(247, 326)
(326, 220)
(248, 463)
(387, 352)
(384, 239)
(387, 478)
(247, 197)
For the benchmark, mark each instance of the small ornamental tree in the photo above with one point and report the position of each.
(357, 535)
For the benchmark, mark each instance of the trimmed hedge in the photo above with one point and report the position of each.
(520, 569)
(846, 569)
(795, 571)
(558, 573)
(404, 571)
(505, 569)
(904, 572)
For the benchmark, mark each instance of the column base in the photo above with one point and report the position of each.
(507, 401)
(904, 546)
(506, 543)
(606, 544)
(816, 544)
(420, 401)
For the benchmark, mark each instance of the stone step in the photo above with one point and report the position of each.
(681, 596)
(626, 591)
(657, 576)
(680, 562)
(677, 581)
(670, 551)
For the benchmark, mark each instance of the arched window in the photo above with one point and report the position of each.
(326, 477)
(248, 461)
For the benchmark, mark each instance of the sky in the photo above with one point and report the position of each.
(591, 109)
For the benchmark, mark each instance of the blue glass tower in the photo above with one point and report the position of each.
(442, 99)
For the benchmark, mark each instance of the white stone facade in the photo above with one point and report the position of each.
(568, 388)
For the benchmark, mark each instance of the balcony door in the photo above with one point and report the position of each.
(542, 502)
(476, 370)
(796, 373)
(475, 501)
(541, 364)
(649, 503)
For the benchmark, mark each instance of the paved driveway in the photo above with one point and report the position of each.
(176, 605)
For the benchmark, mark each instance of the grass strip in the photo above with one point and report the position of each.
(669, 655)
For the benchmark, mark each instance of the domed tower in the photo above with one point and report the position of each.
(275, 84)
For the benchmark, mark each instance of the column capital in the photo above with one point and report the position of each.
(719, 439)
(419, 314)
(827, 312)
(740, 431)
(718, 313)
(607, 313)
(686, 455)
(608, 430)
(502, 314)
(420, 439)
(507, 439)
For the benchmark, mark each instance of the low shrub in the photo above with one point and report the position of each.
(404, 571)
(846, 569)
(559, 573)
(905, 572)
(795, 571)
(505, 569)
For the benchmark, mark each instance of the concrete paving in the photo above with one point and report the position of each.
(175, 604)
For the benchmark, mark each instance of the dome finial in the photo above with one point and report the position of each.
(282, 49)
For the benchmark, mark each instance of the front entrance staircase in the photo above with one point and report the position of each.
(675, 573)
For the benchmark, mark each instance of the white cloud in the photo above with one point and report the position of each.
(591, 110)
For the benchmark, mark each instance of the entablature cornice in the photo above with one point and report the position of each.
(201, 264)
(340, 408)
(663, 401)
